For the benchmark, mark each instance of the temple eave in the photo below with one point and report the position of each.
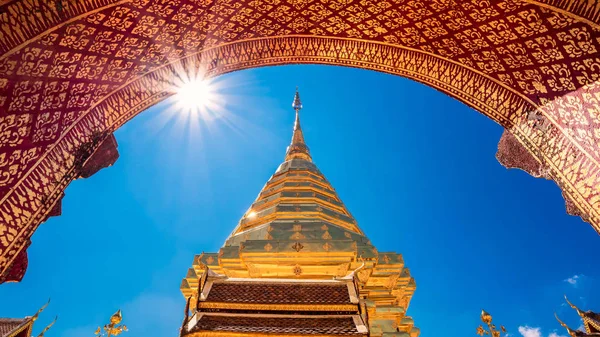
(277, 307)
(257, 334)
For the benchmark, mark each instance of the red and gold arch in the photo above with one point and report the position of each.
(73, 71)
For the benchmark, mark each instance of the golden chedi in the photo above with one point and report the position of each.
(298, 264)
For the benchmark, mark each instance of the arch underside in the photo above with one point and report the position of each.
(74, 73)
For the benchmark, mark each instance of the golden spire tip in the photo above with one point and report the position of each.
(297, 104)
(297, 148)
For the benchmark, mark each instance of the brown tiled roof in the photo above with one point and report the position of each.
(8, 325)
(341, 326)
(279, 293)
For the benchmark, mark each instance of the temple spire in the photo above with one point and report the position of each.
(297, 148)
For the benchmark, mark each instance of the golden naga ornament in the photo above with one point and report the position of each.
(487, 319)
(112, 329)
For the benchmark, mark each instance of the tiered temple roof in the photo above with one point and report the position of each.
(233, 306)
(21, 327)
(289, 255)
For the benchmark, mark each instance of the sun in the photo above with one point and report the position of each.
(197, 96)
(199, 104)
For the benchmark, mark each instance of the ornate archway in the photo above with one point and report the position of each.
(73, 71)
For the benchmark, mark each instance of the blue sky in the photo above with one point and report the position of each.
(415, 167)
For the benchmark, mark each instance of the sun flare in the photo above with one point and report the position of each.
(197, 96)
(199, 104)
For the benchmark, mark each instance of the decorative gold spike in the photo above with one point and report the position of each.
(571, 332)
(37, 314)
(48, 327)
(579, 312)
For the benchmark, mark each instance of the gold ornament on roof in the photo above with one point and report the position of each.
(589, 320)
(37, 314)
(47, 327)
(112, 329)
(492, 330)
(572, 333)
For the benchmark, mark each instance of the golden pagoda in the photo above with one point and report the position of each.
(298, 264)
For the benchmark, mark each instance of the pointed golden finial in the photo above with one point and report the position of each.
(47, 327)
(485, 317)
(297, 104)
(116, 318)
(571, 332)
(298, 148)
(492, 330)
(579, 312)
(37, 314)
(113, 329)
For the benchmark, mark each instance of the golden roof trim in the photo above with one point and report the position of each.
(277, 307)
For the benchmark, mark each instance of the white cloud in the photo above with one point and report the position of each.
(573, 280)
(527, 331)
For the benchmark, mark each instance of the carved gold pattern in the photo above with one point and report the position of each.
(298, 246)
